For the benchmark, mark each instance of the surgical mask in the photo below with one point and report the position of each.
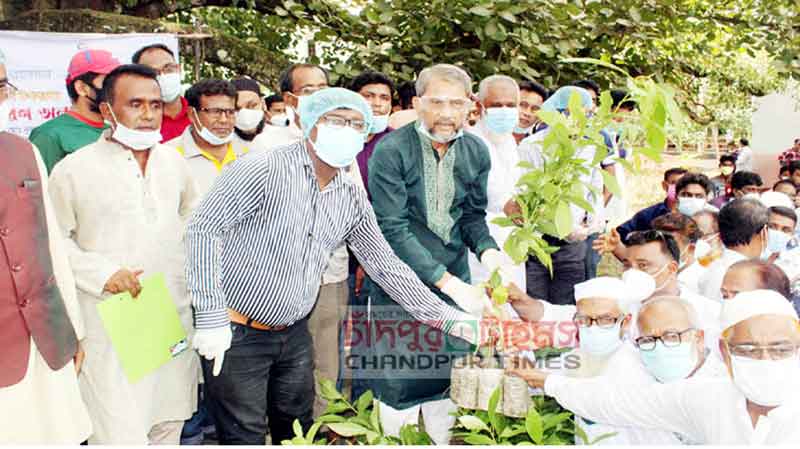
(425, 132)
(133, 138)
(701, 248)
(379, 123)
(777, 241)
(726, 170)
(501, 120)
(524, 131)
(248, 119)
(599, 341)
(641, 285)
(279, 120)
(5, 115)
(338, 147)
(170, 84)
(670, 363)
(690, 206)
(210, 137)
(765, 382)
(292, 113)
(752, 196)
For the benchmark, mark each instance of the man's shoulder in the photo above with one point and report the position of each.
(649, 211)
(54, 126)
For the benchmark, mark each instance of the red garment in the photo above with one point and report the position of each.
(788, 156)
(83, 119)
(174, 127)
(30, 302)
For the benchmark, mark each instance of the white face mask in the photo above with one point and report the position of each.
(752, 196)
(279, 120)
(210, 137)
(5, 113)
(765, 382)
(132, 138)
(170, 84)
(248, 119)
(690, 206)
(379, 123)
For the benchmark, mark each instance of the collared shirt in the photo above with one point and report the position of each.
(366, 153)
(58, 137)
(260, 240)
(744, 161)
(711, 281)
(707, 411)
(788, 156)
(172, 127)
(642, 219)
(205, 168)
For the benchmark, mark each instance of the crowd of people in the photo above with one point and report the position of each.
(271, 218)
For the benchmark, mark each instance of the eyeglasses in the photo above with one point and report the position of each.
(603, 322)
(440, 103)
(669, 339)
(169, 68)
(218, 112)
(780, 351)
(338, 122)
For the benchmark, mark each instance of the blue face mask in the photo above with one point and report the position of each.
(668, 364)
(777, 241)
(598, 341)
(379, 123)
(501, 120)
(338, 147)
(523, 131)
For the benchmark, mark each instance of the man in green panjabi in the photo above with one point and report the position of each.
(428, 183)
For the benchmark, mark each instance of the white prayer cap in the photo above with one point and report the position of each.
(772, 199)
(607, 287)
(746, 305)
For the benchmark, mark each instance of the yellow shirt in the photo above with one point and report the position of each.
(203, 165)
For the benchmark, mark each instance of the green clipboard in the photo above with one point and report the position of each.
(146, 332)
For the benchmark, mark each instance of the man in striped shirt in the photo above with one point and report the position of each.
(257, 247)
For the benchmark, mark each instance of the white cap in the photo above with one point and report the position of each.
(746, 305)
(613, 288)
(772, 199)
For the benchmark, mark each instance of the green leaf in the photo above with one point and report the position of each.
(563, 219)
(602, 437)
(533, 424)
(328, 390)
(481, 11)
(312, 432)
(472, 423)
(375, 417)
(298, 428)
(364, 401)
(610, 181)
(336, 407)
(494, 399)
(347, 429)
(479, 440)
(331, 418)
(551, 421)
(580, 433)
(594, 61)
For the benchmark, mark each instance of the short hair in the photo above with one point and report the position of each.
(674, 171)
(695, 178)
(272, 99)
(770, 276)
(138, 55)
(209, 87)
(794, 166)
(742, 179)
(87, 78)
(286, 80)
(371, 77)
(744, 142)
(740, 220)
(246, 84)
(405, 94)
(588, 85)
(784, 181)
(784, 211)
(620, 99)
(691, 312)
(533, 86)
(784, 167)
(727, 158)
(483, 87)
(449, 72)
(709, 213)
(678, 223)
(667, 243)
(142, 71)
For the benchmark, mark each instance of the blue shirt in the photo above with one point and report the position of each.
(641, 221)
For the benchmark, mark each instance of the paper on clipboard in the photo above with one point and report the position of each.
(146, 332)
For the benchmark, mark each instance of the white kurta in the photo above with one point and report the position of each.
(116, 217)
(707, 411)
(711, 281)
(46, 406)
(503, 177)
(689, 277)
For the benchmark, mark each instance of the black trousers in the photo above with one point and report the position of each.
(568, 269)
(266, 377)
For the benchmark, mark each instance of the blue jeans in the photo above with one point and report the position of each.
(265, 375)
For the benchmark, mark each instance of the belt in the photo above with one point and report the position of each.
(238, 318)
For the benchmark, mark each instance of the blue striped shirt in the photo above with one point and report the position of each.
(261, 239)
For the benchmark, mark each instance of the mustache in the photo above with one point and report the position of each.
(445, 123)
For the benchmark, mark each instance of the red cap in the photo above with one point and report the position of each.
(97, 61)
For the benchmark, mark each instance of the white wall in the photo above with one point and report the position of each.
(776, 123)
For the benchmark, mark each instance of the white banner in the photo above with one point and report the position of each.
(37, 65)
